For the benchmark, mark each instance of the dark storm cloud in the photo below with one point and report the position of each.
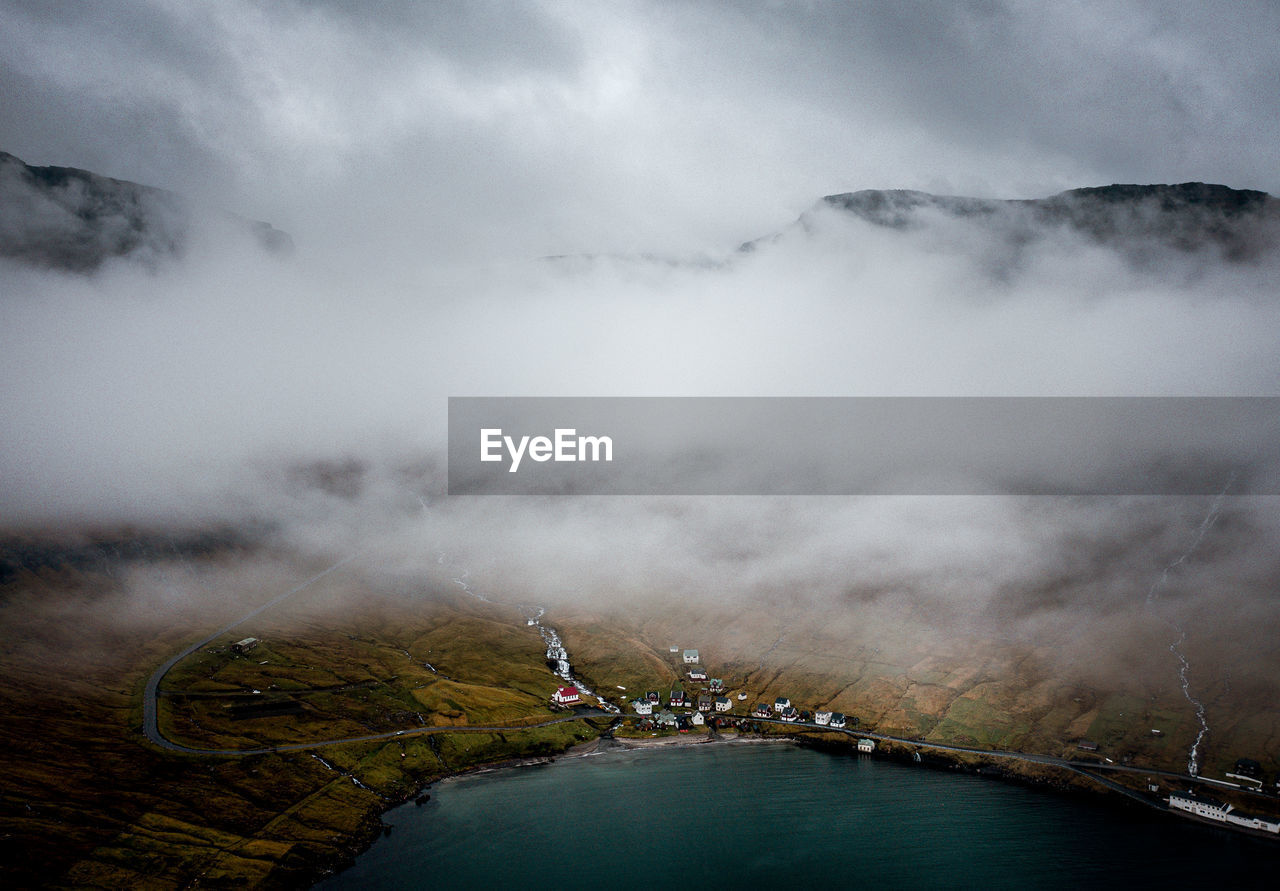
(399, 142)
(1134, 91)
(544, 128)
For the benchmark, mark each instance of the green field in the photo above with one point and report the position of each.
(85, 801)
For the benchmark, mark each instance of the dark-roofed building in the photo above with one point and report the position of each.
(1249, 768)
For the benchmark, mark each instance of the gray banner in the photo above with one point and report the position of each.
(864, 446)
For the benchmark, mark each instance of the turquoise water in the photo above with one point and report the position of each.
(790, 816)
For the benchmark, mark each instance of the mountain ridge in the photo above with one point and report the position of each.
(76, 220)
(1242, 223)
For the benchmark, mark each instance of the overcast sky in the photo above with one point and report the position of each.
(491, 128)
(422, 154)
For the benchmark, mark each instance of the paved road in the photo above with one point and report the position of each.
(1083, 768)
(151, 713)
(151, 724)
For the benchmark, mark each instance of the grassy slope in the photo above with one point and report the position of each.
(84, 798)
(987, 693)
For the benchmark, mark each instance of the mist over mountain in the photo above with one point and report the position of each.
(301, 406)
(76, 220)
(1141, 222)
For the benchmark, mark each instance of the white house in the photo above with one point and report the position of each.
(1212, 809)
(643, 707)
(723, 704)
(822, 718)
(697, 674)
(566, 696)
(780, 703)
(866, 745)
(691, 657)
(698, 720)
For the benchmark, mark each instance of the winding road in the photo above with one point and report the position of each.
(151, 723)
(151, 693)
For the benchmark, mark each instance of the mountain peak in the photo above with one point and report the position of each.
(1242, 223)
(76, 220)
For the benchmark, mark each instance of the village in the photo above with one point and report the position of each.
(711, 708)
(708, 704)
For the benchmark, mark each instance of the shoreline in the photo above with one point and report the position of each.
(987, 769)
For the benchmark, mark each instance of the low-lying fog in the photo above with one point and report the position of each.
(308, 397)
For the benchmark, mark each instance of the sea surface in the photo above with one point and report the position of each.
(790, 816)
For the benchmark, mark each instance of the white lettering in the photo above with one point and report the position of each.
(489, 440)
(564, 442)
(516, 454)
(596, 443)
(566, 446)
(540, 449)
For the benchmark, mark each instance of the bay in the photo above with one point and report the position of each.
(777, 812)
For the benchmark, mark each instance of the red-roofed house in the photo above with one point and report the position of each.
(566, 696)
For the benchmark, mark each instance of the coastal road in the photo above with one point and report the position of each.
(151, 721)
(380, 737)
(151, 709)
(1083, 768)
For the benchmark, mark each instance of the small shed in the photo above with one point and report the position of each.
(241, 647)
(866, 746)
